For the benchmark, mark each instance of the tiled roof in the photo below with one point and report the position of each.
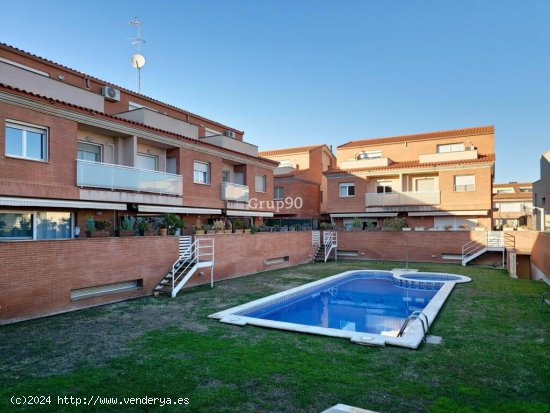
(28, 54)
(288, 151)
(413, 164)
(52, 101)
(517, 194)
(422, 136)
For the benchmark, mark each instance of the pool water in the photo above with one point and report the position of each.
(373, 302)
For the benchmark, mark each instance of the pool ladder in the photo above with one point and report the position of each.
(414, 316)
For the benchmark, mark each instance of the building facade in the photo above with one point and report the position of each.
(512, 205)
(300, 177)
(541, 191)
(435, 180)
(73, 146)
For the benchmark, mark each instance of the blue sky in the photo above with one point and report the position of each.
(297, 72)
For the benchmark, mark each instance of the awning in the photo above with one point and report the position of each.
(59, 203)
(447, 213)
(365, 215)
(237, 213)
(177, 210)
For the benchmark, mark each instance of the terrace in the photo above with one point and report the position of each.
(492, 357)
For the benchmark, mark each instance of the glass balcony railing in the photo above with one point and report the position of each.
(104, 175)
(402, 198)
(234, 192)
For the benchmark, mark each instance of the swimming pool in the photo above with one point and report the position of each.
(368, 307)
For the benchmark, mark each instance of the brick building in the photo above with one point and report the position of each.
(72, 145)
(439, 180)
(512, 204)
(300, 175)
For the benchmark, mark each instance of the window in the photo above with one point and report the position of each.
(16, 225)
(425, 185)
(279, 192)
(260, 183)
(526, 189)
(286, 164)
(201, 173)
(505, 191)
(53, 225)
(453, 147)
(89, 152)
(25, 141)
(465, 183)
(226, 175)
(347, 189)
(369, 155)
(383, 187)
(145, 161)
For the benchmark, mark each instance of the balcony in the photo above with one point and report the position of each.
(402, 198)
(234, 192)
(161, 121)
(449, 156)
(109, 176)
(232, 144)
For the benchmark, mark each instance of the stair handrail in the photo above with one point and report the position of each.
(475, 245)
(315, 237)
(414, 316)
(330, 241)
(191, 250)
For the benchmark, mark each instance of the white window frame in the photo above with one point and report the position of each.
(148, 155)
(452, 147)
(228, 172)
(363, 155)
(465, 189)
(280, 189)
(264, 177)
(207, 173)
(94, 144)
(346, 185)
(24, 127)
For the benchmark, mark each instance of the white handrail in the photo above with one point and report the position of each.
(330, 239)
(315, 238)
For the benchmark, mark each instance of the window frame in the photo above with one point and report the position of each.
(148, 155)
(465, 189)
(346, 185)
(25, 127)
(256, 183)
(228, 171)
(282, 190)
(90, 143)
(208, 173)
(450, 146)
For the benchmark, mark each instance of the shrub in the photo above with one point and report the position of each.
(394, 224)
(128, 223)
(90, 223)
(173, 222)
(356, 223)
(254, 229)
(218, 225)
(238, 224)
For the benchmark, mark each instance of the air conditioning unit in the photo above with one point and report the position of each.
(110, 93)
(230, 134)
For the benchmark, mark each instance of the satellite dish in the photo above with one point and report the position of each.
(138, 61)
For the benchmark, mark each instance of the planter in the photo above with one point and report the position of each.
(163, 232)
(150, 233)
(228, 231)
(124, 233)
(210, 231)
(405, 229)
(246, 231)
(98, 234)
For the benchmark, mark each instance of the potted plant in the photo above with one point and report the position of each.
(238, 225)
(198, 227)
(356, 224)
(228, 227)
(208, 229)
(162, 228)
(218, 226)
(394, 224)
(254, 229)
(127, 226)
(90, 225)
(102, 228)
(152, 229)
(142, 226)
(448, 227)
(174, 222)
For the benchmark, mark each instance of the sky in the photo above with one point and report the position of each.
(302, 72)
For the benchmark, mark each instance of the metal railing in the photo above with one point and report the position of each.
(315, 238)
(465, 188)
(484, 241)
(189, 260)
(111, 176)
(416, 315)
(402, 198)
(234, 192)
(330, 239)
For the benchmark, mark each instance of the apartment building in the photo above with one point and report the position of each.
(512, 204)
(72, 145)
(300, 176)
(435, 180)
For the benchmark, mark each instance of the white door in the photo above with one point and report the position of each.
(239, 178)
(146, 162)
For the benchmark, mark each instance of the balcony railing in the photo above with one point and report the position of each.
(104, 175)
(234, 192)
(402, 198)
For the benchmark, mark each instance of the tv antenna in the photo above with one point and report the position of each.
(137, 61)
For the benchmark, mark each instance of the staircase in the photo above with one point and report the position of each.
(330, 243)
(486, 241)
(192, 257)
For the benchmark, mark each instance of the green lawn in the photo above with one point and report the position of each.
(495, 354)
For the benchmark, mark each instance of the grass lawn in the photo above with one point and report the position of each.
(495, 354)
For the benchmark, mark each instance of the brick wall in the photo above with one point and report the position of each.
(540, 254)
(242, 254)
(37, 276)
(422, 245)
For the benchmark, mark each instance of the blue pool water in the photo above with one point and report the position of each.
(369, 302)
